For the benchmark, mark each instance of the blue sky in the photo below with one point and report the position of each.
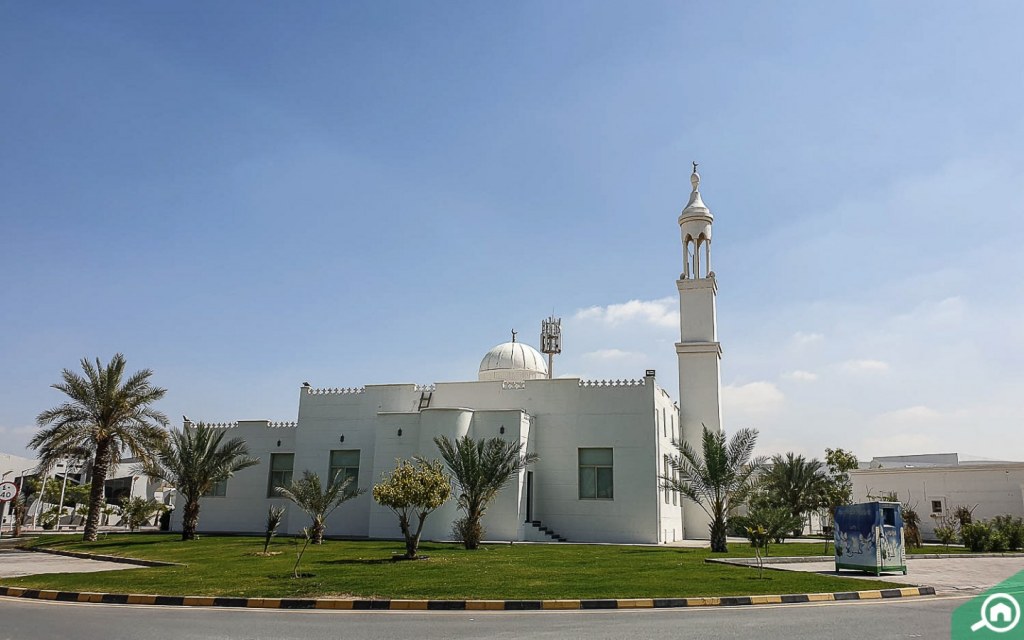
(242, 197)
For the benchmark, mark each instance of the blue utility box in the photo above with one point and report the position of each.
(869, 537)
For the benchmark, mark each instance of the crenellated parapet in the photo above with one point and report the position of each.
(282, 425)
(613, 383)
(221, 425)
(425, 388)
(335, 391)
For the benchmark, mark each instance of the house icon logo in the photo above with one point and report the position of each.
(999, 613)
(993, 614)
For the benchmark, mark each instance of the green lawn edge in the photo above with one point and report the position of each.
(229, 566)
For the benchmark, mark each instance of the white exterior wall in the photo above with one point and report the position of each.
(553, 417)
(996, 489)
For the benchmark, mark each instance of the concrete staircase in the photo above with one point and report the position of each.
(546, 534)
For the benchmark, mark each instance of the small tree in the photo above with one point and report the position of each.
(947, 529)
(317, 500)
(837, 488)
(109, 511)
(82, 511)
(307, 534)
(775, 522)
(796, 484)
(759, 538)
(963, 514)
(274, 517)
(912, 524)
(194, 459)
(412, 491)
(717, 478)
(20, 512)
(480, 468)
(139, 511)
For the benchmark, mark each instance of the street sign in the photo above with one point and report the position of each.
(8, 491)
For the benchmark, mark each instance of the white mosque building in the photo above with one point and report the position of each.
(601, 445)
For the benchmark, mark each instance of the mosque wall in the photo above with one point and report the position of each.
(556, 418)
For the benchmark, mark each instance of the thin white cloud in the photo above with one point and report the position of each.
(918, 413)
(662, 313)
(753, 398)
(800, 376)
(802, 339)
(865, 366)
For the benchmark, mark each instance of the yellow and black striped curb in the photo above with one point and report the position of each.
(458, 605)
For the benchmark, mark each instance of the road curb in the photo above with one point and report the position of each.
(457, 605)
(104, 558)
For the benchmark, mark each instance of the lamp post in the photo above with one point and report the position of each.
(21, 490)
(63, 487)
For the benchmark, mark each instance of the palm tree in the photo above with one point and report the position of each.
(796, 484)
(480, 468)
(193, 460)
(717, 478)
(105, 415)
(318, 501)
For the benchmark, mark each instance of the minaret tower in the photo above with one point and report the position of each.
(699, 352)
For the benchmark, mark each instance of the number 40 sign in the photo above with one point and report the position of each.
(8, 491)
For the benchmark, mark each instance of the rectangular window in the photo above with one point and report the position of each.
(280, 472)
(346, 463)
(668, 474)
(936, 506)
(595, 474)
(217, 490)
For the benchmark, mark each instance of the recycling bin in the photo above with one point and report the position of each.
(869, 537)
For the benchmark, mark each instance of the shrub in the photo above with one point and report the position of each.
(468, 532)
(1011, 529)
(996, 542)
(774, 523)
(976, 536)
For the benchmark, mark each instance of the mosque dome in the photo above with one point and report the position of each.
(513, 362)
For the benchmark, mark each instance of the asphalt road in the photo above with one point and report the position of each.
(911, 618)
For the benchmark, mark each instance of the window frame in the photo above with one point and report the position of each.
(332, 469)
(270, 477)
(597, 468)
(218, 489)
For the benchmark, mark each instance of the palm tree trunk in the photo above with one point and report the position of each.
(718, 543)
(318, 532)
(190, 520)
(474, 529)
(99, 476)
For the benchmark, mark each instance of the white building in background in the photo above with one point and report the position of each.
(938, 483)
(601, 445)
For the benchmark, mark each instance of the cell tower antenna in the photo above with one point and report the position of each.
(551, 340)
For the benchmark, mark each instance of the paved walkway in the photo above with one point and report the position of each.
(947, 575)
(27, 563)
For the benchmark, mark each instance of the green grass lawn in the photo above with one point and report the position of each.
(227, 566)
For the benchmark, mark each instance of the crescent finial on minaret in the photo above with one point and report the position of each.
(695, 177)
